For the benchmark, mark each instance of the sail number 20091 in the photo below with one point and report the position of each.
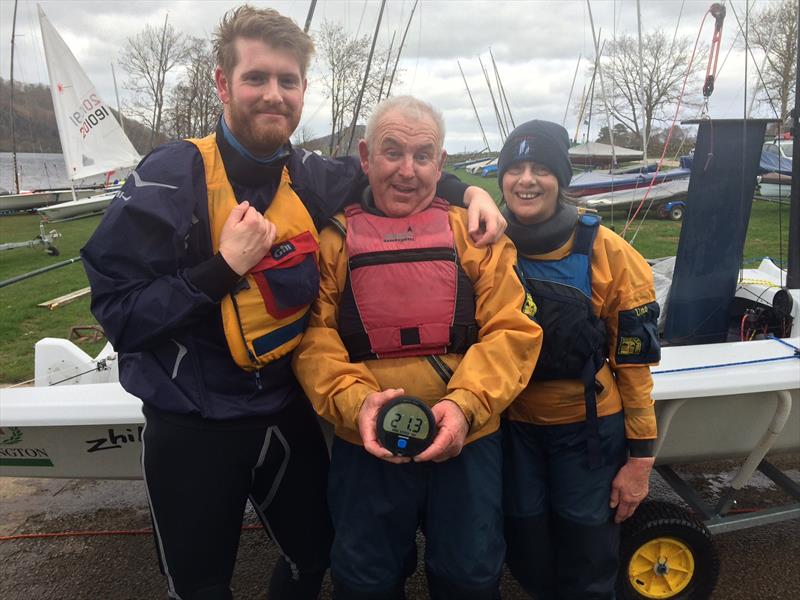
(92, 111)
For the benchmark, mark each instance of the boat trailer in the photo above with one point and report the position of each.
(45, 238)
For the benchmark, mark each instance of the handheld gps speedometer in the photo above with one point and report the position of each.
(406, 426)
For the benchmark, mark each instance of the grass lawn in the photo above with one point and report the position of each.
(658, 237)
(23, 322)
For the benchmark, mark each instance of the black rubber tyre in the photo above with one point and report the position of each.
(655, 521)
(676, 213)
(52, 251)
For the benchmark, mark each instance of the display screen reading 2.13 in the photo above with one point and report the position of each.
(407, 420)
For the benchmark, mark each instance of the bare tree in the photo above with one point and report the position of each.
(664, 64)
(193, 103)
(302, 136)
(345, 59)
(774, 32)
(147, 58)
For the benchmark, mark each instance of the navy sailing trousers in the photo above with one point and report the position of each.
(200, 473)
(377, 507)
(561, 536)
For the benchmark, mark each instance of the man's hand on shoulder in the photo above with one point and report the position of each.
(485, 222)
(246, 237)
(452, 431)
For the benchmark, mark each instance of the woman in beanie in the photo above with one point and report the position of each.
(579, 440)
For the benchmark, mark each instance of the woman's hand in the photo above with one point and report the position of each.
(630, 486)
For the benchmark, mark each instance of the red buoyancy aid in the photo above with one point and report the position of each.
(406, 289)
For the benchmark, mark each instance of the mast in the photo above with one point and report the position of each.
(13, 129)
(503, 132)
(572, 89)
(641, 84)
(603, 89)
(366, 77)
(116, 91)
(400, 48)
(793, 269)
(580, 114)
(471, 101)
(386, 67)
(501, 87)
(310, 15)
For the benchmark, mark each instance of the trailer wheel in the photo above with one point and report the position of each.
(666, 553)
(676, 213)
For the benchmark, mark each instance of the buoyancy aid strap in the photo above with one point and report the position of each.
(585, 234)
(278, 337)
(592, 422)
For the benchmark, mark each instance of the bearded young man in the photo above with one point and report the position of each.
(202, 274)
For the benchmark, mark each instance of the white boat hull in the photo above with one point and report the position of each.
(75, 208)
(32, 200)
(94, 430)
(658, 193)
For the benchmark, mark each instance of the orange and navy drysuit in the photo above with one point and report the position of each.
(352, 348)
(587, 408)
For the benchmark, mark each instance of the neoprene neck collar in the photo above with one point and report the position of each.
(244, 168)
(545, 237)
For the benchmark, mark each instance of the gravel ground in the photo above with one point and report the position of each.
(758, 563)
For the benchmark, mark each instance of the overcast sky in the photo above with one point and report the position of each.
(536, 45)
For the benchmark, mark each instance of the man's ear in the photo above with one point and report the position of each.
(363, 154)
(223, 85)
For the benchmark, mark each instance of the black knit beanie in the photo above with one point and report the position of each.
(541, 142)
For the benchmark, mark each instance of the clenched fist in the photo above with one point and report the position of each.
(246, 237)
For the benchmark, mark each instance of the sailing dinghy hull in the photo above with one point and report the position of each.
(705, 412)
(77, 208)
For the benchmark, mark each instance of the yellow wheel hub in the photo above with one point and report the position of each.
(661, 568)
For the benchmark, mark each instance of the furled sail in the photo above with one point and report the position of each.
(91, 139)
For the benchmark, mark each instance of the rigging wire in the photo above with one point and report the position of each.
(419, 51)
(669, 133)
(749, 50)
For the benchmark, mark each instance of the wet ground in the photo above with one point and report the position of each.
(756, 564)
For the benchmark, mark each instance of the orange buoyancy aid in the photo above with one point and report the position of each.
(406, 293)
(265, 316)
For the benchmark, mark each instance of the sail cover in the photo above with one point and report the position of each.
(91, 139)
(713, 230)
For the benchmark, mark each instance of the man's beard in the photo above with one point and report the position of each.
(260, 140)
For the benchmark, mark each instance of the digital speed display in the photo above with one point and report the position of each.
(406, 426)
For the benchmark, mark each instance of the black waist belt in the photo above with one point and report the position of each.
(359, 348)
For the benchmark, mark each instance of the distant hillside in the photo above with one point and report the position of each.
(323, 144)
(35, 120)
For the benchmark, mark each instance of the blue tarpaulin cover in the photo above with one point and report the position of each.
(773, 163)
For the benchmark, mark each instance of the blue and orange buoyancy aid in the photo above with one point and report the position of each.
(575, 344)
(406, 293)
(265, 316)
